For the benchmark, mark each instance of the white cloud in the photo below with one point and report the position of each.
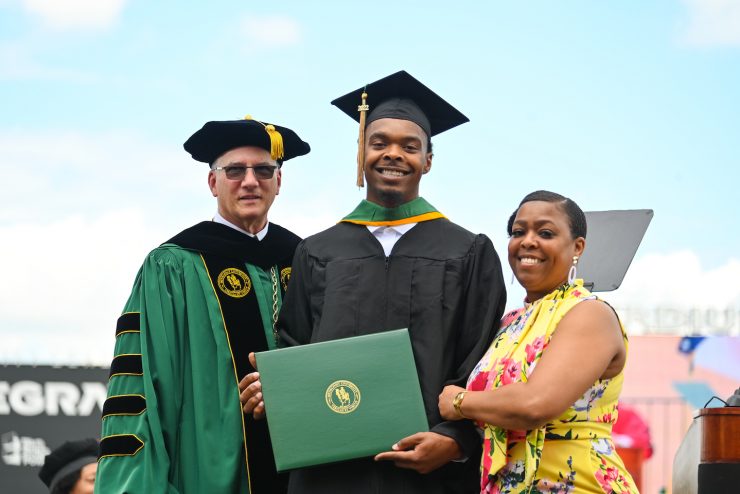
(713, 22)
(678, 279)
(63, 172)
(67, 281)
(19, 57)
(76, 14)
(271, 31)
(673, 294)
(79, 213)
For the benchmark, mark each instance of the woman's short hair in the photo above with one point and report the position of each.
(576, 218)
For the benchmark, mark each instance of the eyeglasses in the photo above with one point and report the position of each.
(238, 172)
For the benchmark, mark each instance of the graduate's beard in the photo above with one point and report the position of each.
(390, 198)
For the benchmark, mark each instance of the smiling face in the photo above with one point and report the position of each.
(396, 157)
(541, 247)
(245, 202)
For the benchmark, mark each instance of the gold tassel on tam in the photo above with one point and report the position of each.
(277, 150)
(276, 143)
(363, 108)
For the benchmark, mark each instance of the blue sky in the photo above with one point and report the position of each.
(619, 105)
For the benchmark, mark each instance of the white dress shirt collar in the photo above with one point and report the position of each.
(259, 235)
(389, 235)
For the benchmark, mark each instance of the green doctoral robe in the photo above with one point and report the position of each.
(172, 422)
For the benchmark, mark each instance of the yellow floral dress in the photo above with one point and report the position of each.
(572, 454)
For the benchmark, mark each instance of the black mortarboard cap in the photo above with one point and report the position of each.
(217, 137)
(398, 96)
(389, 97)
(68, 458)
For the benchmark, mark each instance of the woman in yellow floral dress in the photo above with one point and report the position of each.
(546, 391)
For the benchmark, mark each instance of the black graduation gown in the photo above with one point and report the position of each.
(442, 282)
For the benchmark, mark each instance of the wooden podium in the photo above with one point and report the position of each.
(708, 459)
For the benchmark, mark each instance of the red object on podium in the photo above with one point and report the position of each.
(633, 458)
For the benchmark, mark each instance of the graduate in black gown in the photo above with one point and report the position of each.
(396, 262)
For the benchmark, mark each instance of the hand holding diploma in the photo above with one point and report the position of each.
(250, 392)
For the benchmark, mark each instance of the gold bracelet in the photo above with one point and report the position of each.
(457, 403)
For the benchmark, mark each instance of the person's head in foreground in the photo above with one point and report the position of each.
(71, 468)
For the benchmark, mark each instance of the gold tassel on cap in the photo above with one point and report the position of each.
(363, 108)
(276, 143)
(277, 150)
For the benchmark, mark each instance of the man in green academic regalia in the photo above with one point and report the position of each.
(397, 262)
(201, 302)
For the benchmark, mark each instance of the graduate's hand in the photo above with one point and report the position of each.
(250, 392)
(423, 452)
(446, 410)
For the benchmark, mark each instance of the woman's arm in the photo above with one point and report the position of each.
(587, 345)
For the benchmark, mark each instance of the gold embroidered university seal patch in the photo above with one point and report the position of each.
(342, 396)
(285, 277)
(234, 282)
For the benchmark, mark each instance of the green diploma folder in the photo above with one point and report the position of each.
(340, 399)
